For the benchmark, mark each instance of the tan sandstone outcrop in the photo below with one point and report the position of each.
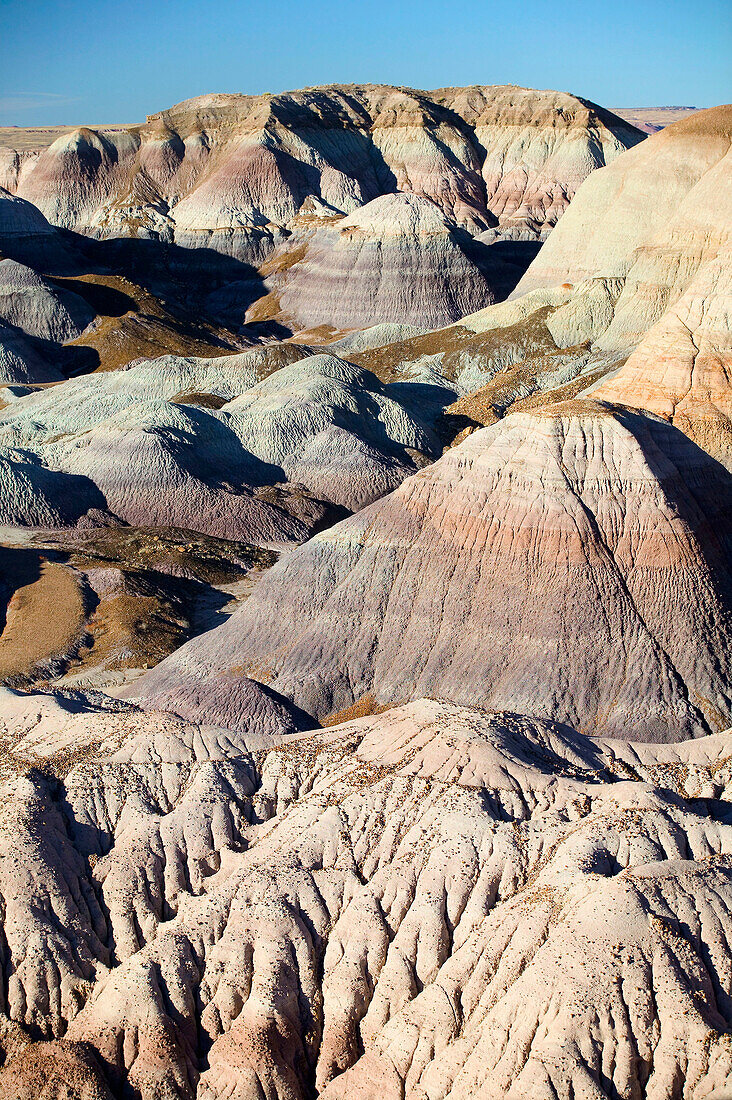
(682, 368)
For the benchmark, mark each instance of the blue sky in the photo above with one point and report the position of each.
(64, 61)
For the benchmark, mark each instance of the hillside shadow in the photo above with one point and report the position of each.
(105, 300)
(180, 277)
(698, 488)
(503, 262)
(18, 567)
(66, 359)
(148, 297)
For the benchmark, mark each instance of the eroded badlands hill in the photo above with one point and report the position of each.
(226, 446)
(240, 167)
(249, 176)
(397, 259)
(637, 270)
(571, 560)
(573, 563)
(70, 304)
(433, 902)
(516, 887)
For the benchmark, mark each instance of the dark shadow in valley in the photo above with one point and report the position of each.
(105, 300)
(503, 262)
(181, 278)
(18, 567)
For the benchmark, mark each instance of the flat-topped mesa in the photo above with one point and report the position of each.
(652, 119)
(215, 169)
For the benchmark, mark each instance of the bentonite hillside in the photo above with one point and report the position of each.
(366, 588)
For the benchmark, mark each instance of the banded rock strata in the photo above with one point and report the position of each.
(572, 563)
(582, 516)
(214, 444)
(519, 886)
(637, 271)
(70, 305)
(37, 308)
(252, 176)
(233, 170)
(396, 260)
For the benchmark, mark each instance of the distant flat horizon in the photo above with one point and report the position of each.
(652, 119)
